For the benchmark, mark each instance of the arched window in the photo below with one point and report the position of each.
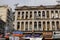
(35, 25)
(26, 26)
(43, 13)
(39, 25)
(48, 25)
(44, 27)
(18, 25)
(47, 14)
(30, 27)
(57, 24)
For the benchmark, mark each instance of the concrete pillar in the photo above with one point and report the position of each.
(28, 25)
(59, 24)
(41, 25)
(45, 15)
(59, 13)
(20, 14)
(32, 14)
(32, 25)
(41, 14)
(24, 25)
(20, 25)
(28, 15)
(46, 26)
(24, 14)
(50, 14)
(37, 25)
(50, 25)
(54, 14)
(55, 26)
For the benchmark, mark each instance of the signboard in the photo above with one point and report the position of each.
(47, 34)
(56, 34)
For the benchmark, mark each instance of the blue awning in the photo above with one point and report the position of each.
(17, 32)
(28, 35)
(37, 35)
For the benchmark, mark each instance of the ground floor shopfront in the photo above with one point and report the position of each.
(38, 35)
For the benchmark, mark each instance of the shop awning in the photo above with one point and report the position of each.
(28, 35)
(37, 35)
(17, 32)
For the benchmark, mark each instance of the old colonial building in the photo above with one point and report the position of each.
(6, 16)
(37, 19)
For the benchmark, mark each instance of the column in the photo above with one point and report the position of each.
(24, 25)
(28, 25)
(50, 14)
(41, 13)
(42, 25)
(59, 13)
(50, 25)
(20, 25)
(54, 14)
(15, 27)
(37, 26)
(32, 25)
(20, 14)
(46, 26)
(28, 14)
(24, 14)
(45, 15)
(32, 14)
(55, 26)
(59, 24)
(37, 13)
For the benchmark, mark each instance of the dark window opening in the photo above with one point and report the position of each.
(30, 11)
(52, 11)
(35, 12)
(39, 12)
(56, 11)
